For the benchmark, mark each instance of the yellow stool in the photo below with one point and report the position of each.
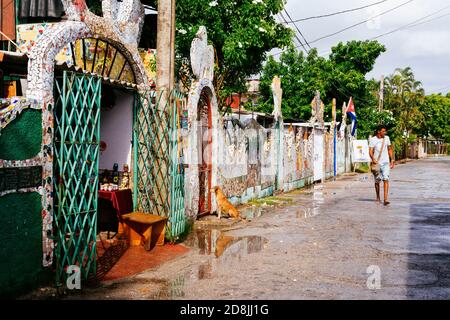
(144, 229)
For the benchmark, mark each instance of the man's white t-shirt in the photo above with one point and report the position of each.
(376, 144)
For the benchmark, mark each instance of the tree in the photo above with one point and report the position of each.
(404, 96)
(350, 63)
(341, 76)
(436, 113)
(241, 31)
(300, 78)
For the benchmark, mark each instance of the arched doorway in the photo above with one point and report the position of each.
(204, 121)
(95, 100)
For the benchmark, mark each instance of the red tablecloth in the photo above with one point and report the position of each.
(121, 200)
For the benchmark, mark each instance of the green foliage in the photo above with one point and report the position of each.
(300, 77)
(95, 6)
(350, 62)
(404, 96)
(436, 113)
(341, 76)
(241, 31)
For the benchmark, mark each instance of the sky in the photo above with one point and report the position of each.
(425, 48)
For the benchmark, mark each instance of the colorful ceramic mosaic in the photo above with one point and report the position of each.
(121, 25)
(24, 190)
(33, 162)
(148, 57)
(10, 108)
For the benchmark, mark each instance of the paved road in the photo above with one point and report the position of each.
(318, 243)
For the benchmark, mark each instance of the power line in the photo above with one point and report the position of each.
(415, 23)
(350, 27)
(299, 31)
(342, 89)
(430, 20)
(362, 22)
(336, 13)
(412, 24)
(296, 36)
(441, 89)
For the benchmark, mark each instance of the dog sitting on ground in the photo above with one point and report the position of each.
(223, 205)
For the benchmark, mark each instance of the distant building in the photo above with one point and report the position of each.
(252, 95)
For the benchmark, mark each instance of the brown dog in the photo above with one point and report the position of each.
(223, 205)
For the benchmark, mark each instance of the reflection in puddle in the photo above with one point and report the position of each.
(306, 213)
(172, 289)
(318, 194)
(228, 250)
(210, 241)
(252, 212)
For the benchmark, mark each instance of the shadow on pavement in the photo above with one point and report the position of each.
(429, 251)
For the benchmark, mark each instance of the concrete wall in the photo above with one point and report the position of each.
(297, 157)
(247, 160)
(252, 158)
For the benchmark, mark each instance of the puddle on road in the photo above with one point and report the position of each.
(252, 212)
(430, 214)
(318, 195)
(214, 241)
(228, 250)
(364, 178)
(307, 212)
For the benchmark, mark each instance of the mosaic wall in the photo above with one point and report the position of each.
(10, 108)
(253, 158)
(202, 62)
(298, 155)
(30, 34)
(120, 25)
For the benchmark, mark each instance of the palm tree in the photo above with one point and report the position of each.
(404, 95)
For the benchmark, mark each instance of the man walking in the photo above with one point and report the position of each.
(382, 155)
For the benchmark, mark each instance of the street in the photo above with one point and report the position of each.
(322, 242)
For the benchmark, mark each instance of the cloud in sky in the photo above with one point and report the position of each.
(425, 48)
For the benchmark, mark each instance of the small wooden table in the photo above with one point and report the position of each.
(144, 229)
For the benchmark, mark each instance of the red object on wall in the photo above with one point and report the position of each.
(234, 101)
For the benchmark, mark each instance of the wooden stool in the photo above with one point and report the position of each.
(144, 229)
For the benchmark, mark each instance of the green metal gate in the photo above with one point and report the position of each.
(177, 219)
(158, 173)
(76, 152)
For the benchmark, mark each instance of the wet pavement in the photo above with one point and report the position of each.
(329, 241)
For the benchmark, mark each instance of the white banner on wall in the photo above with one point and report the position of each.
(361, 151)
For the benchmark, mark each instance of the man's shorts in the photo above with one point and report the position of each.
(385, 171)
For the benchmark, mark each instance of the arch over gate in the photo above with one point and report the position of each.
(41, 65)
(41, 62)
(198, 150)
(202, 62)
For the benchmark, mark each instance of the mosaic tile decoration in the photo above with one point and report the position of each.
(10, 108)
(122, 25)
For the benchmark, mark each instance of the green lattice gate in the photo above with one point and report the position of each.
(76, 155)
(158, 173)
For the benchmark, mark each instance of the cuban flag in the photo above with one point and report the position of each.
(352, 114)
